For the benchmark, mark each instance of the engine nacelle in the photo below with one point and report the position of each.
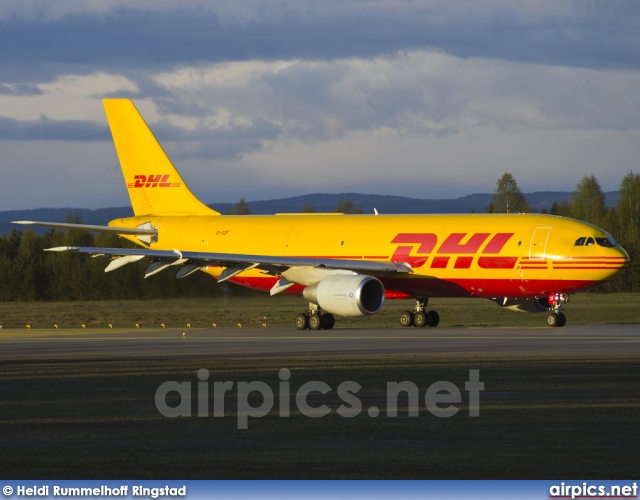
(347, 294)
(527, 304)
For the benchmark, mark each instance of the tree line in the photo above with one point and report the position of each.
(28, 273)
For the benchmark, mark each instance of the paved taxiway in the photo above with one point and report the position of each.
(571, 340)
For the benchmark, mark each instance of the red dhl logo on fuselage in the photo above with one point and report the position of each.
(453, 248)
(152, 181)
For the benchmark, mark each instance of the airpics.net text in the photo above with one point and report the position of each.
(257, 399)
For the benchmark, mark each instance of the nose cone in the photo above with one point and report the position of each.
(623, 253)
(596, 257)
(622, 257)
(614, 260)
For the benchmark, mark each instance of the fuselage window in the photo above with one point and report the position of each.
(590, 241)
(580, 241)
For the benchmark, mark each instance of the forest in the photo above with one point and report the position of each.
(28, 273)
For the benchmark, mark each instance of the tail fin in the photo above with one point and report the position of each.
(154, 185)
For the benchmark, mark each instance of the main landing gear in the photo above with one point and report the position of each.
(420, 317)
(314, 319)
(556, 302)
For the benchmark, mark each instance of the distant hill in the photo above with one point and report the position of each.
(398, 204)
(322, 202)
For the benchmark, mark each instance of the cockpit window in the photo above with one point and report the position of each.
(589, 241)
(605, 242)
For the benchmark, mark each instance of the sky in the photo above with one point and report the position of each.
(268, 99)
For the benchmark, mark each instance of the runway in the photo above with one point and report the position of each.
(81, 403)
(571, 340)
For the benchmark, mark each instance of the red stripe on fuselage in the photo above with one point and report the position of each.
(497, 262)
(433, 287)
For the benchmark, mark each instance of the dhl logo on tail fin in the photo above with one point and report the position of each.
(141, 181)
(139, 151)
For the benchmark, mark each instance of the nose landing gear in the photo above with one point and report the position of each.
(556, 302)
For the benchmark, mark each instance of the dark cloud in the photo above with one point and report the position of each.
(589, 34)
(371, 94)
(215, 144)
(203, 143)
(52, 130)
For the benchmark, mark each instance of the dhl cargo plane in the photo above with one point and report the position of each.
(347, 265)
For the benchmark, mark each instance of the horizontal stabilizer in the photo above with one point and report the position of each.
(86, 227)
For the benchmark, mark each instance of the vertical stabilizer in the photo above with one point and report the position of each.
(154, 185)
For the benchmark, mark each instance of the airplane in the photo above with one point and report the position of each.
(347, 265)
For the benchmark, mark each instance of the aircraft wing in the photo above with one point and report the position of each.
(233, 263)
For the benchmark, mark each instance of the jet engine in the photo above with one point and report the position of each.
(347, 294)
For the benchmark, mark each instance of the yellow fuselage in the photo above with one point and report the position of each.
(484, 255)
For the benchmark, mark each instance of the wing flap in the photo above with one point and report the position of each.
(120, 261)
(187, 269)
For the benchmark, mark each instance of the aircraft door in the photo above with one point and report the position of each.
(538, 245)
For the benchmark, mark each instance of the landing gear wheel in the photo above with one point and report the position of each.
(302, 321)
(315, 322)
(557, 301)
(328, 321)
(562, 320)
(433, 319)
(420, 319)
(406, 318)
